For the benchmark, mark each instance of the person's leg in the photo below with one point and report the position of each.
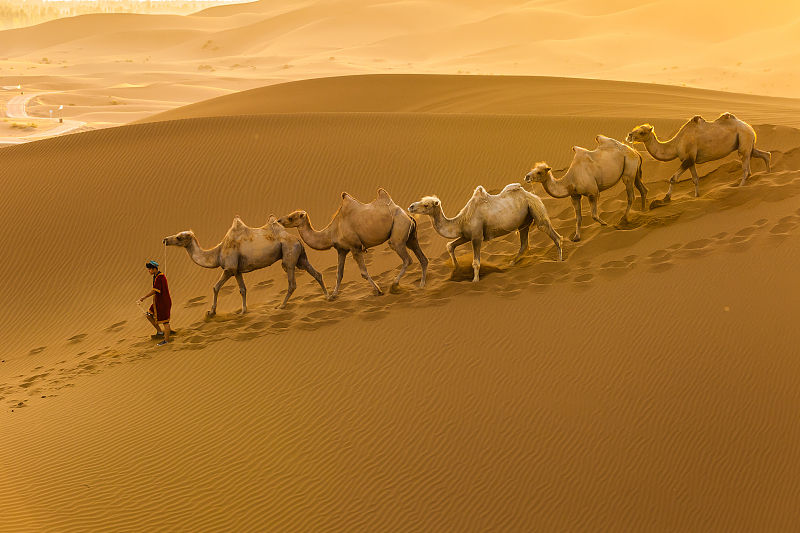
(152, 320)
(167, 331)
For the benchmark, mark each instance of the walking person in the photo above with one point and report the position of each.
(159, 311)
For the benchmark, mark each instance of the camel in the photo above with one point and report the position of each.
(487, 216)
(356, 227)
(592, 171)
(699, 141)
(245, 249)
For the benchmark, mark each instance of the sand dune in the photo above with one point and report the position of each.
(645, 383)
(238, 47)
(506, 95)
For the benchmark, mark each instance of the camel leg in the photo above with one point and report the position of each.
(595, 216)
(642, 190)
(576, 203)
(289, 268)
(631, 196)
(763, 155)
(451, 249)
(242, 291)
(674, 178)
(745, 166)
(359, 257)
(547, 227)
(413, 245)
(476, 260)
(304, 264)
(339, 273)
(400, 250)
(695, 180)
(523, 242)
(226, 274)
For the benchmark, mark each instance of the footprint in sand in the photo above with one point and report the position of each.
(116, 326)
(660, 256)
(77, 338)
(783, 228)
(197, 301)
(744, 232)
(27, 382)
(698, 244)
(38, 350)
(583, 278)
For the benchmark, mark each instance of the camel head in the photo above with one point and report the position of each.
(425, 206)
(183, 239)
(640, 134)
(294, 219)
(539, 172)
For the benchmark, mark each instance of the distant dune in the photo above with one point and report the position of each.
(506, 95)
(646, 383)
(737, 48)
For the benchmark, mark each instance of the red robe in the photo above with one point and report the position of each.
(163, 302)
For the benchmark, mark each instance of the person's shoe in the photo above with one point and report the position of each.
(162, 343)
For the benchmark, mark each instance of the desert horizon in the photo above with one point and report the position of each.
(447, 266)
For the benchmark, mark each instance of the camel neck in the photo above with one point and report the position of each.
(555, 188)
(318, 240)
(450, 228)
(203, 258)
(663, 151)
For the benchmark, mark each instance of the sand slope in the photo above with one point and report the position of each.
(645, 383)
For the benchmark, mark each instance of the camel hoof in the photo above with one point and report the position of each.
(280, 306)
(211, 314)
(377, 292)
(659, 203)
(575, 237)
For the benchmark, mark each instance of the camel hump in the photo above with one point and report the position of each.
(383, 195)
(272, 219)
(480, 192)
(346, 195)
(237, 222)
(511, 187)
(727, 116)
(698, 119)
(579, 149)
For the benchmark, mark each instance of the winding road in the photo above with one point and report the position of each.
(16, 108)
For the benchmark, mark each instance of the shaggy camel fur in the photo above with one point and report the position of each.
(244, 249)
(699, 141)
(487, 216)
(356, 227)
(592, 171)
